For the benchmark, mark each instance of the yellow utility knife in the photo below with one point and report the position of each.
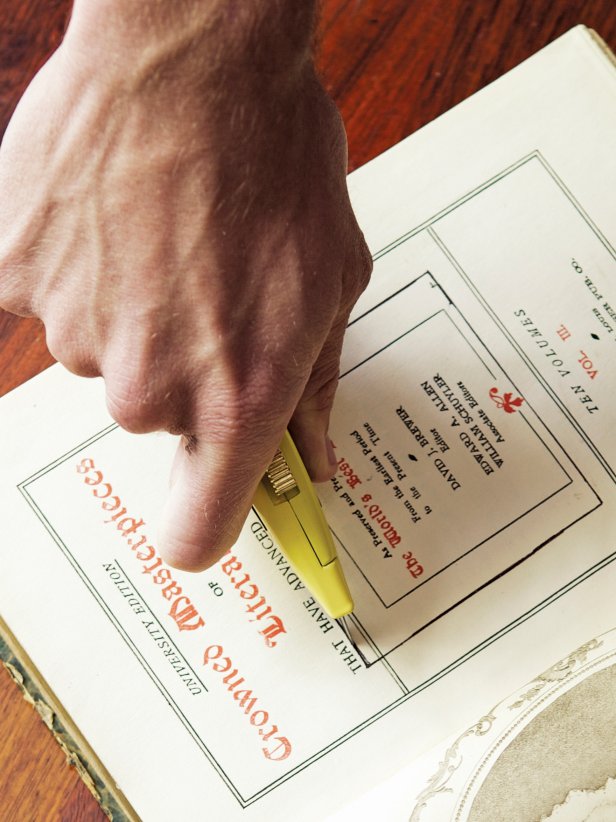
(288, 505)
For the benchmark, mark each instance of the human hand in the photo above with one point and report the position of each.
(181, 224)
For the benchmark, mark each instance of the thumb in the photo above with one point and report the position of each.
(213, 485)
(310, 422)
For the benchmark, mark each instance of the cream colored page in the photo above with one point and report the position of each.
(474, 504)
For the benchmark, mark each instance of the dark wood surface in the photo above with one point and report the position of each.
(392, 66)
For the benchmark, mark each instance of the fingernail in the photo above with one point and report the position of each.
(331, 454)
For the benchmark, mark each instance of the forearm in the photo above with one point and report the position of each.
(174, 208)
(199, 38)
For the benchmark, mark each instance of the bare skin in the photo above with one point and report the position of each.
(173, 206)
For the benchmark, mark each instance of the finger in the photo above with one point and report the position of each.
(310, 422)
(144, 392)
(212, 489)
(137, 411)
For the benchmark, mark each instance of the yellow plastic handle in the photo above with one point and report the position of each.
(298, 526)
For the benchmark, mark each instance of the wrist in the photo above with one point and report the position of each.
(191, 42)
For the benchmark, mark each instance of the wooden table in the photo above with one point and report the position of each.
(391, 66)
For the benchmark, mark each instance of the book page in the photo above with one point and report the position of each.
(473, 508)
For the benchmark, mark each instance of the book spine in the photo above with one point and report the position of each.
(34, 692)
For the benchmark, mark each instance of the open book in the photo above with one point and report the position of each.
(474, 507)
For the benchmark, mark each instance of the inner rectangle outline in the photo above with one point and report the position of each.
(541, 440)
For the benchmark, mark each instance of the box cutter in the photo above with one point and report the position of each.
(289, 507)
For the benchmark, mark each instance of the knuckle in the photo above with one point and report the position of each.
(144, 392)
(14, 293)
(321, 388)
(365, 266)
(129, 404)
(233, 413)
(228, 421)
(14, 296)
(357, 269)
(15, 302)
(67, 349)
(324, 397)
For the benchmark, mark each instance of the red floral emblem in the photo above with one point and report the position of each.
(507, 402)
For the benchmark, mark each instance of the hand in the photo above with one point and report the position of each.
(185, 231)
